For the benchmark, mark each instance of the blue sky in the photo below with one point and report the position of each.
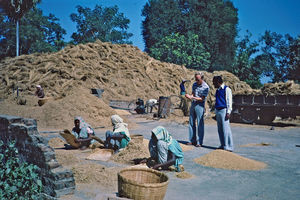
(281, 16)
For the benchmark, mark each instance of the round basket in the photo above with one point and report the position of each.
(140, 183)
(136, 138)
(42, 101)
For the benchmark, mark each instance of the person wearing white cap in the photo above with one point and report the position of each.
(39, 92)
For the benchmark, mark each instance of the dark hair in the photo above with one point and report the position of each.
(218, 79)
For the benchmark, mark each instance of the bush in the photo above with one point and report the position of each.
(18, 180)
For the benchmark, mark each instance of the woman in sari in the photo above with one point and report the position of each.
(165, 150)
(119, 137)
(83, 132)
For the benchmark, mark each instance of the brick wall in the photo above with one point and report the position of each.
(34, 149)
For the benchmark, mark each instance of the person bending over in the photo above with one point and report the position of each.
(165, 150)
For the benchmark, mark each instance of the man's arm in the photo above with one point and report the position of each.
(228, 102)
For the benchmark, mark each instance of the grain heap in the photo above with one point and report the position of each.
(60, 113)
(132, 151)
(287, 88)
(228, 160)
(123, 71)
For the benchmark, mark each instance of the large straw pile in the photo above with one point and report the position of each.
(287, 88)
(123, 71)
(60, 113)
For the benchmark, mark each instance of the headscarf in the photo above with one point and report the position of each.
(83, 124)
(119, 125)
(162, 134)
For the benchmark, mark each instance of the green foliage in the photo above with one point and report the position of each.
(15, 9)
(18, 180)
(103, 23)
(213, 21)
(294, 60)
(38, 33)
(243, 66)
(182, 50)
(279, 58)
(274, 56)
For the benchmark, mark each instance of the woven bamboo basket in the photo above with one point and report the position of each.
(42, 101)
(142, 184)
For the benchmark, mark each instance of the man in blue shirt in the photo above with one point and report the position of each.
(199, 93)
(223, 108)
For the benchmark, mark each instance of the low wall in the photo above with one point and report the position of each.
(34, 149)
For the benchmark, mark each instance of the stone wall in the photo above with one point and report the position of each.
(34, 149)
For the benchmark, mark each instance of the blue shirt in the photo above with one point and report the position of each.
(200, 91)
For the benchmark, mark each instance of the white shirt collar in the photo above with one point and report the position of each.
(222, 86)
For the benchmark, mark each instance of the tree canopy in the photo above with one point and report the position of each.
(103, 23)
(183, 50)
(38, 33)
(273, 55)
(213, 21)
(15, 9)
(279, 56)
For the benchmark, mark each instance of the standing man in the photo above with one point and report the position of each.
(199, 93)
(223, 109)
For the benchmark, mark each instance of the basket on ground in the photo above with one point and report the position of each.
(142, 184)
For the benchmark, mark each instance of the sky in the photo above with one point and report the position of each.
(257, 16)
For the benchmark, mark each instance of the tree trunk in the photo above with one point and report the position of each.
(17, 38)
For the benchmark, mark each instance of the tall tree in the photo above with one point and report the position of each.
(279, 54)
(182, 50)
(103, 23)
(243, 66)
(294, 60)
(38, 33)
(15, 9)
(214, 21)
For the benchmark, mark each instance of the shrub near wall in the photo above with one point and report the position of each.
(33, 149)
(18, 180)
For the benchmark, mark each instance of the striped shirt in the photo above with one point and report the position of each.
(200, 91)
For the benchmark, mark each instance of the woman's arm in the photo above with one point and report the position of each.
(85, 139)
(165, 165)
(118, 136)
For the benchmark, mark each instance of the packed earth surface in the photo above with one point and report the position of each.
(264, 164)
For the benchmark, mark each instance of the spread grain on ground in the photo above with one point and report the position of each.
(132, 152)
(229, 160)
(184, 175)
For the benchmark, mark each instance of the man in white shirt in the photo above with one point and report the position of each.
(223, 108)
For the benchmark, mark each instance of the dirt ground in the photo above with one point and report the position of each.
(272, 151)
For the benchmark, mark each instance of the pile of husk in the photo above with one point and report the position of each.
(287, 88)
(133, 151)
(123, 71)
(229, 160)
